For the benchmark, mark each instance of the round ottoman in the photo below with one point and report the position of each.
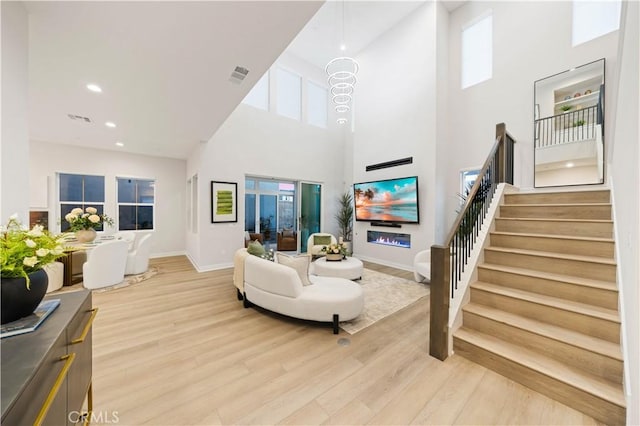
(349, 268)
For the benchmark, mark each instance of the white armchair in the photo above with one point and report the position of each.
(138, 258)
(105, 265)
(316, 249)
(422, 266)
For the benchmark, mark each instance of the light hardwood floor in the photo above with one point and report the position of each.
(180, 349)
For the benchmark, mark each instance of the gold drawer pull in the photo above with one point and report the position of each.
(68, 360)
(87, 327)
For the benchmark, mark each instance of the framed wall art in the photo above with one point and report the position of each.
(224, 202)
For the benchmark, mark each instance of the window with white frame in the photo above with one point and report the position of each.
(592, 19)
(477, 51)
(136, 204)
(288, 94)
(258, 97)
(316, 104)
(79, 191)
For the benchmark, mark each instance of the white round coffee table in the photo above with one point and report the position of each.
(349, 268)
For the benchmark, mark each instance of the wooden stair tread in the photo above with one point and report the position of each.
(544, 219)
(559, 371)
(557, 205)
(571, 279)
(582, 258)
(555, 236)
(570, 337)
(541, 299)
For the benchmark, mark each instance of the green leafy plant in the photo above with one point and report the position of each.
(88, 218)
(344, 215)
(565, 108)
(25, 251)
(579, 123)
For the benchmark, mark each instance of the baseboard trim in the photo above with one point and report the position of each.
(167, 254)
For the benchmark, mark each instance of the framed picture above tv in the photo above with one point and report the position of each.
(389, 201)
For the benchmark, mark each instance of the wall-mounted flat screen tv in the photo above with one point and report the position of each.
(390, 200)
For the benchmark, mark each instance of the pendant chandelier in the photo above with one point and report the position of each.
(341, 73)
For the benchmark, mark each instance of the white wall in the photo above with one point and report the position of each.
(625, 181)
(47, 159)
(567, 176)
(14, 147)
(261, 143)
(395, 117)
(532, 40)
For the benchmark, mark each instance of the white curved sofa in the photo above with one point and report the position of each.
(279, 288)
(422, 266)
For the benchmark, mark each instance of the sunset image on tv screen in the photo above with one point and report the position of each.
(394, 200)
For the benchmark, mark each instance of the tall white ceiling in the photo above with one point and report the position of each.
(164, 66)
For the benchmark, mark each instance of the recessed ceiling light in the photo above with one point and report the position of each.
(569, 164)
(94, 88)
(110, 124)
(119, 144)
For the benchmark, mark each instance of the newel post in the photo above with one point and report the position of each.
(439, 300)
(501, 134)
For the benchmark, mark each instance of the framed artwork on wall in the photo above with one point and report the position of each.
(224, 202)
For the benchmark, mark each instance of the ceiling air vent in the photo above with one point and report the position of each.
(238, 75)
(79, 118)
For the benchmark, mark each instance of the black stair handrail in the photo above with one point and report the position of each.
(448, 261)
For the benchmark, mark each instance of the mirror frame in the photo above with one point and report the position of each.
(593, 115)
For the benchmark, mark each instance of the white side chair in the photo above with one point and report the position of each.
(316, 249)
(55, 273)
(128, 236)
(105, 265)
(422, 266)
(138, 258)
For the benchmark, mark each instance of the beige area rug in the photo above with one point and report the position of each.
(383, 295)
(129, 280)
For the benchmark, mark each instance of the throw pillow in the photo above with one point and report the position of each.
(287, 233)
(299, 263)
(255, 248)
(321, 240)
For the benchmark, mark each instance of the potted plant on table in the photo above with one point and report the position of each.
(24, 254)
(335, 252)
(344, 217)
(85, 222)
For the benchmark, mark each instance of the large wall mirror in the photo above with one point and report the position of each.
(569, 127)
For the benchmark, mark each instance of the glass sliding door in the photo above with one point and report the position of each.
(268, 215)
(270, 208)
(310, 211)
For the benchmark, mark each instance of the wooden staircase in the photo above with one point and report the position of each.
(544, 311)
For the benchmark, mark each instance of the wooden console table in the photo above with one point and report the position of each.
(46, 374)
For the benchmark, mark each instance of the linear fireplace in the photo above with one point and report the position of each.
(389, 239)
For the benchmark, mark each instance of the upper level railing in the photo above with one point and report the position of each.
(448, 261)
(568, 127)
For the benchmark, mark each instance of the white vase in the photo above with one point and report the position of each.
(86, 235)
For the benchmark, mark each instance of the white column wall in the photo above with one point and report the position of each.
(47, 159)
(14, 147)
(625, 182)
(395, 117)
(531, 40)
